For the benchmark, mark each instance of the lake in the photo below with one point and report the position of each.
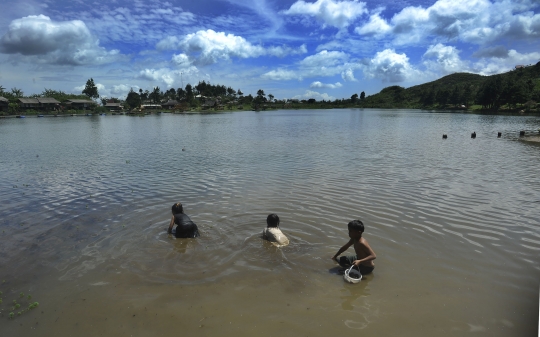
(85, 203)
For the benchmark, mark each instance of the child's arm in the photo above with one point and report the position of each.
(369, 252)
(342, 249)
(171, 225)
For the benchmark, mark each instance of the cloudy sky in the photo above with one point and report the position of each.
(323, 49)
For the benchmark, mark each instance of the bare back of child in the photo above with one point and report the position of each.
(364, 253)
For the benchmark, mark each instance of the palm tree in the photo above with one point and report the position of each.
(17, 92)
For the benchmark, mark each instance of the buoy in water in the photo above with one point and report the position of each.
(499, 134)
(473, 135)
(444, 136)
(522, 133)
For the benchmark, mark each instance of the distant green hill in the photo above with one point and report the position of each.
(510, 90)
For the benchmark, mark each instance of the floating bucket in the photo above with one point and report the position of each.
(352, 275)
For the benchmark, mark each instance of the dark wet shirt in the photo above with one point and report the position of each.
(186, 228)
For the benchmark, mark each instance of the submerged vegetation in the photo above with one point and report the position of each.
(516, 90)
(17, 306)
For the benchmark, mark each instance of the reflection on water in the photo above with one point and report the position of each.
(86, 202)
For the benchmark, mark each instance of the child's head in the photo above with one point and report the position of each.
(272, 220)
(356, 228)
(177, 208)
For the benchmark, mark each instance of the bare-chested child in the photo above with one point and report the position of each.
(364, 254)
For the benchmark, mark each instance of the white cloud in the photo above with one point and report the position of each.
(499, 65)
(339, 14)
(324, 59)
(472, 21)
(181, 60)
(313, 94)
(388, 66)
(348, 75)
(207, 47)
(99, 86)
(282, 51)
(444, 59)
(122, 90)
(324, 63)
(169, 77)
(318, 84)
(43, 41)
(210, 46)
(139, 22)
(375, 26)
(491, 51)
(281, 75)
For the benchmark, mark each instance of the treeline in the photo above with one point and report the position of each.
(14, 94)
(519, 88)
(185, 95)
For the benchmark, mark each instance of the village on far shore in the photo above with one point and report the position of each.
(203, 97)
(514, 92)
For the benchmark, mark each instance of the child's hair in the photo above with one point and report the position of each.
(272, 220)
(177, 208)
(356, 225)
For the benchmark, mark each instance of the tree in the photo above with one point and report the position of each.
(155, 95)
(180, 94)
(261, 95)
(189, 93)
(271, 97)
(442, 97)
(171, 94)
(354, 98)
(455, 96)
(17, 92)
(247, 99)
(362, 96)
(133, 99)
(90, 89)
(240, 93)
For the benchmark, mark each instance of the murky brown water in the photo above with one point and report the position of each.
(85, 202)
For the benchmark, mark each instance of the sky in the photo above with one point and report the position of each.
(323, 49)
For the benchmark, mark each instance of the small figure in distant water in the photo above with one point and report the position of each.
(186, 228)
(473, 135)
(272, 232)
(183, 149)
(444, 136)
(364, 253)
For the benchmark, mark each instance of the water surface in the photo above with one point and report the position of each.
(85, 202)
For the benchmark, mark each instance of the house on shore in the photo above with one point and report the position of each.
(4, 104)
(79, 104)
(170, 104)
(150, 106)
(38, 103)
(208, 104)
(114, 106)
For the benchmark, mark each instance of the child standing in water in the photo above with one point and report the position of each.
(272, 232)
(364, 254)
(186, 228)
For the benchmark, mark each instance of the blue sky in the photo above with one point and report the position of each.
(322, 49)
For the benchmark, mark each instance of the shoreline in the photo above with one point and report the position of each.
(199, 111)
